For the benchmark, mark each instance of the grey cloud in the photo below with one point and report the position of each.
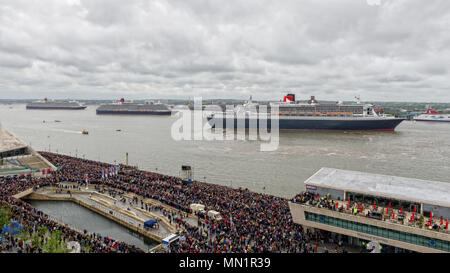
(178, 49)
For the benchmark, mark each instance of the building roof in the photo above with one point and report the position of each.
(8, 141)
(401, 188)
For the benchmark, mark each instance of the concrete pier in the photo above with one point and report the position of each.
(125, 214)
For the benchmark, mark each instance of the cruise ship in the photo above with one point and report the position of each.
(433, 116)
(56, 105)
(131, 108)
(311, 115)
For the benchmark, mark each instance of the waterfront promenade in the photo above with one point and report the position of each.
(251, 222)
(128, 211)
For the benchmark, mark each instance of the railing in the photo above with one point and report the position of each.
(385, 217)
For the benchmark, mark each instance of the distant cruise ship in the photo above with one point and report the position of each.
(56, 105)
(311, 116)
(433, 116)
(130, 108)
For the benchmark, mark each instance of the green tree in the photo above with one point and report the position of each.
(5, 216)
(23, 236)
(38, 237)
(55, 244)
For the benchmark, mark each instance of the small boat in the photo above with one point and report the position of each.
(57, 120)
(85, 132)
(119, 130)
(433, 116)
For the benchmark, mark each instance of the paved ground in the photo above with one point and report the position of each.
(89, 198)
(92, 199)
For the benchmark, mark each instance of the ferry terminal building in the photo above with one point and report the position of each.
(412, 214)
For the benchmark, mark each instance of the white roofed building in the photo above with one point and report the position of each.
(405, 213)
(17, 158)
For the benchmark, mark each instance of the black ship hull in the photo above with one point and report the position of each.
(113, 112)
(381, 124)
(30, 107)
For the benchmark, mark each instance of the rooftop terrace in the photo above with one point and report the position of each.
(401, 188)
(8, 141)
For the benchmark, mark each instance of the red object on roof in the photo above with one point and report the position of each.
(432, 112)
(289, 97)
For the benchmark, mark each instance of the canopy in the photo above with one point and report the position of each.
(13, 228)
(150, 223)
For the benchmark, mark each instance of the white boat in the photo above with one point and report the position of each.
(433, 116)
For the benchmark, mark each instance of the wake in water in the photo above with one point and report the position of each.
(66, 131)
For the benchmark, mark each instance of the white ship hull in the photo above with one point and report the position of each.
(433, 118)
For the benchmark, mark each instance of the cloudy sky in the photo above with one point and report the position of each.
(393, 50)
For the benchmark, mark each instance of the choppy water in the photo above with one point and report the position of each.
(83, 219)
(418, 150)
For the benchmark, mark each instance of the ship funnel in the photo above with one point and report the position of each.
(312, 100)
(289, 97)
(122, 100)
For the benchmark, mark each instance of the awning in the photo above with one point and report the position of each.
(150, 223)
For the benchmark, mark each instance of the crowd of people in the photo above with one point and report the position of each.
(31, 219)
(252, 222)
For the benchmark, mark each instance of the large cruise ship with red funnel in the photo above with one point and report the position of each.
(312, 115)
(55, 105)
(131, 108)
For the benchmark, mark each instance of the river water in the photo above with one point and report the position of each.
(417, 150)
(81, 218)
